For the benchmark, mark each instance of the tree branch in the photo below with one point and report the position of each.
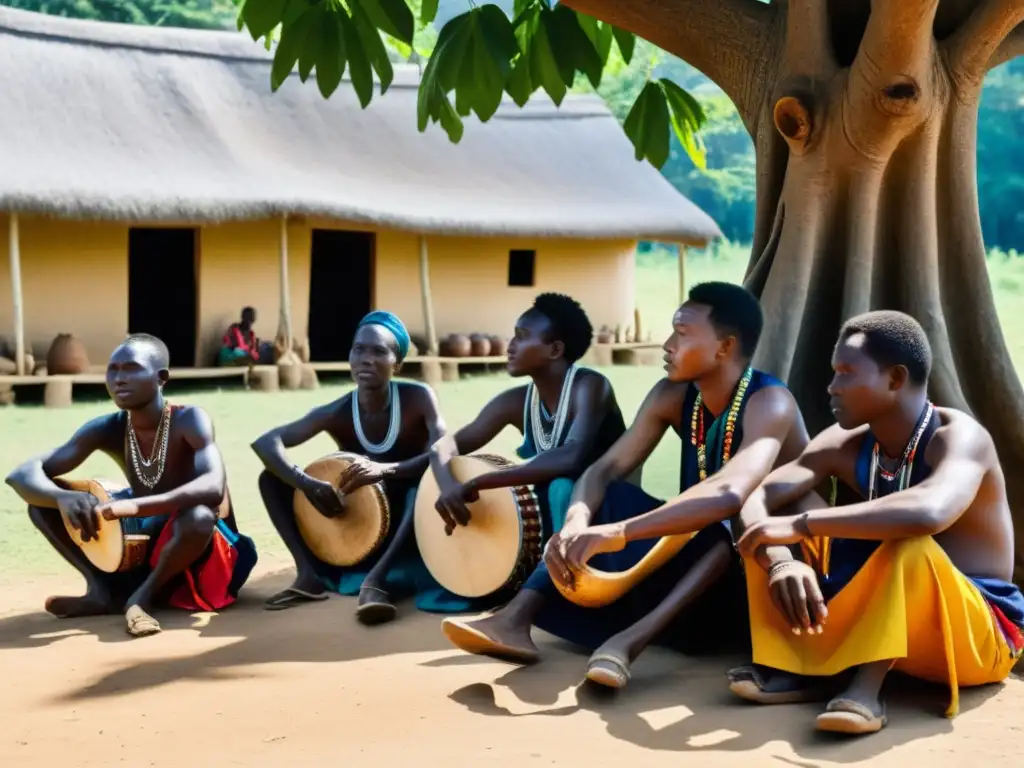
(973, 45)
(808, 39)
(727, 40)
(898, 40)
(1011, 48)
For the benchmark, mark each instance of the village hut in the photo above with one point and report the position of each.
(150, 181)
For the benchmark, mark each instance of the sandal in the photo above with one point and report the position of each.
(750, 682)
(850, 717)
(140, 623)
(291, 597)
(608, 671)
(376, 611)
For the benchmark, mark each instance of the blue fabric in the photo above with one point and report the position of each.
(408, 575)
(1004, 595)
(392, 322)
(717, 619)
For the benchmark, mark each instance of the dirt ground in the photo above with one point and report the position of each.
(310, 687)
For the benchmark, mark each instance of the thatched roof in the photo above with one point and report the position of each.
(120, 122)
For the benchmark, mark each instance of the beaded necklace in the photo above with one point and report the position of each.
(545, 441)
(698, 437)
(158, 455)
(396, 417)
(906, 466)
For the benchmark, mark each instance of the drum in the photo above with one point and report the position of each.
(497, 550)
(351, 538)
(112, 551)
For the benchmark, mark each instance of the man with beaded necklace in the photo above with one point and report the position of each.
(916, 575)
(177, 496)
(392, 425)
(735, 424)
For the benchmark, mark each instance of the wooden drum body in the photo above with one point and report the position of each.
(497, 550)
(112, 551)
(351, 538)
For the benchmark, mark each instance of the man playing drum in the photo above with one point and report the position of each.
(389, 426)
(177, 497)
(723, 411)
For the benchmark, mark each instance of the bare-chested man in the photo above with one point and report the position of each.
(914, 578)
(177, 496)
(392, 424)
(723, 411)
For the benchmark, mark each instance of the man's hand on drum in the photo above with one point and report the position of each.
(80, 510)
(452, 504)
(115, 510)
(323, 497)
(359, 473)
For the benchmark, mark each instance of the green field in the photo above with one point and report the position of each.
(241, 416)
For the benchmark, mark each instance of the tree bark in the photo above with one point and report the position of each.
(864, 124)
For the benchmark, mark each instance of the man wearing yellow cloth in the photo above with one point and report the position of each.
(915, 578)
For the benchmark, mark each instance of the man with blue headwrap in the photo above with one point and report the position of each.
(392, 425)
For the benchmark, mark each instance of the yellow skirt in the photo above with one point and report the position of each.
(907, 603)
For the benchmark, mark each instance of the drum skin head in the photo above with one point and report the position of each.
(107, 550)
(351, 538)
(479, 558)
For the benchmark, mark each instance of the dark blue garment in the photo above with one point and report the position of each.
(719, 618)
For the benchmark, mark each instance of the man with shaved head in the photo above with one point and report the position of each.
(177, 496)
(390, 425)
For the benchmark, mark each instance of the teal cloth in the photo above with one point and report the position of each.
(228, 355)
(392, 322)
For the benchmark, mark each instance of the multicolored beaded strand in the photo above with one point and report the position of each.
(698, 436)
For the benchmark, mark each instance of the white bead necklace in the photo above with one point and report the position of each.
(545, 441)
(396, 418)
(144, 467)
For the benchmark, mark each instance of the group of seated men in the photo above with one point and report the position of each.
(915, 576)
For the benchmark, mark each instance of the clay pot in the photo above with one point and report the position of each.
(302, 349)
(289, 374)
(605, 336)
(67, 355)
(7, 366)
(456, 345)
(480, 345)
(499, 347)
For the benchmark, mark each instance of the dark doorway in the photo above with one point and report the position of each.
(340, 291)
(162, 289)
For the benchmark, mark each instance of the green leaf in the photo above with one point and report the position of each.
(358, 61)
(289, 47)
(687, 119)
(626, 42)
(450, 121)
(311, 46)
(428, 11)
(573, 48)
(543, 67)
(494, 45)
(519, 86)
(330, 64)
(499, 37)
(647, 125)
(392, 17)
(261, 16)
(374, 47)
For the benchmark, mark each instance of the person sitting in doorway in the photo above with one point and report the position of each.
(240, 345)
(915, 578)
(196, 559)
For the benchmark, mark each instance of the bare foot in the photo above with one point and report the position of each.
(374, 605)
(140, 623)
(492, 635)
(93, 603)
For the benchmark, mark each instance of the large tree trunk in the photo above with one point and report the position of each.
(864, 117)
